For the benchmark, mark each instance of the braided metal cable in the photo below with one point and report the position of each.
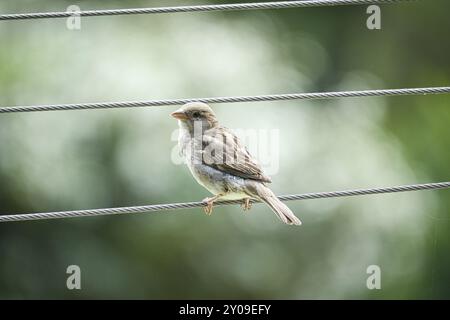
(200, 8)
(272, 97)
(186, 205)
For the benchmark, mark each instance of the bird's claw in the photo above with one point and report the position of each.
(209, 206)
(246, 204)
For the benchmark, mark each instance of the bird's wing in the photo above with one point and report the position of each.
(223, 151)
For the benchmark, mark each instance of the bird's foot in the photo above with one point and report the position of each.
(209, 205)
(246, 204)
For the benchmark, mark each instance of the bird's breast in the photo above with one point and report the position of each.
(214, 180)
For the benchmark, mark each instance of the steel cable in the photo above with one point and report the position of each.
(197, 8)
(186, 205)
(272, 97)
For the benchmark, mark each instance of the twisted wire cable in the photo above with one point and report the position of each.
(271, 97)
(186, 205)
(198, 8)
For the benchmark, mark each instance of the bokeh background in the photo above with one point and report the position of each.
(92, 159)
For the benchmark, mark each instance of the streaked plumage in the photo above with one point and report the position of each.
(221, 164)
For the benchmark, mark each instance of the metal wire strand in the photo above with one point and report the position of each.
(186, 205)
(272, 97)
(200, 8)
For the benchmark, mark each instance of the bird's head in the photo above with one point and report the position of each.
(195, 112)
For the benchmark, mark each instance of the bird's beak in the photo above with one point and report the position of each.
(180, 115)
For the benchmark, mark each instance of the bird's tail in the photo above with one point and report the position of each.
(281, 210)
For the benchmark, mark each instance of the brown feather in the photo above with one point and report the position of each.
(223, 151)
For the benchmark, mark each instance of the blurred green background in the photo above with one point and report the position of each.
(93, 159)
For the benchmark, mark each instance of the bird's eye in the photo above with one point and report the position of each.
(196, 114)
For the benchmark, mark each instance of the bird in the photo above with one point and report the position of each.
(222, 164)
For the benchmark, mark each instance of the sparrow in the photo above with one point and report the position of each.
(222, 164)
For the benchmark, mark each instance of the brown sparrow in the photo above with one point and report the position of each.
(221, 164)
